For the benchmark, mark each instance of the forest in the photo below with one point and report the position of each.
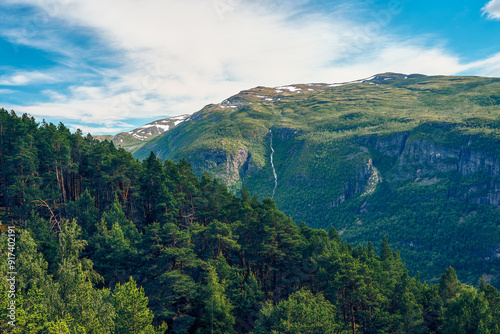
(95, 241)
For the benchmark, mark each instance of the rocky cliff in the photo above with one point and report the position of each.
(412, 156)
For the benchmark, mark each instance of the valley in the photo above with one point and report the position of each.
(410, 157)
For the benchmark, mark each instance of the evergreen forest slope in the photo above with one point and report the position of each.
(95, 241)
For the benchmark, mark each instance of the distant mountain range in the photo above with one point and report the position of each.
(133, 140)
(415, 158)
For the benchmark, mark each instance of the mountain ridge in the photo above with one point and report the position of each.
(347, 155)
(134, 139)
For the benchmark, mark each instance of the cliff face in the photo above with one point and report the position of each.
(417, 158)
(225, 165)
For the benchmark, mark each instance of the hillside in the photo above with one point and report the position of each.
(134, 139)
(411, 157)
(95, 241)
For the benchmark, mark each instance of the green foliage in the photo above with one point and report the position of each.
(432, 140)
(108, 244)
(302, 313)
(131, 307)
(218, 317)
(468, 313)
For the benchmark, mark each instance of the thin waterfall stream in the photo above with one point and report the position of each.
(272, 163)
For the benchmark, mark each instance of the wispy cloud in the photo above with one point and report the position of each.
(492, 10)
(109, 130)
(22, 78)
(7, 91)
(172, 57)
(489, 67)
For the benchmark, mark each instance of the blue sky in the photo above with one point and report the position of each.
(107, 66)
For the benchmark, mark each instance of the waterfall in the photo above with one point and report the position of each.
(272, 163)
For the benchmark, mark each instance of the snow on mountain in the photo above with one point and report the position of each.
(157, 127)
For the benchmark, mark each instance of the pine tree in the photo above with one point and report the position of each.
(115, 245)
(73, 297)
(449, 285)
(432, 309)
(85, 212)
(217, 238)
(45, 238)
(301, 313)
(131, 307)
(244, 292)
(218, 317)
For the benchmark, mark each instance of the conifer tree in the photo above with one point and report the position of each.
(301, 313)
(449, 285)
(131, 306)
(84, 211)
(218, 317)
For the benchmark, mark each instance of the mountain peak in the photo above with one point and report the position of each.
(157, 127)
(134, 139)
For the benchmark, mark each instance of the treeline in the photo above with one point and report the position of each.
(108, 244)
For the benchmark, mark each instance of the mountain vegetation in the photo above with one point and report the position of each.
(103, 243)
(135, 139)
(412, 158)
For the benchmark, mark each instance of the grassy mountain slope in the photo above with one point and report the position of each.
(414, 158)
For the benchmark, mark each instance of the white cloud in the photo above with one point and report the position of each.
(22, 78)
(7, 91)
(492, 9)
(97, 129)
(54, 95)
(173, 57)
(399, 58)
(489, 67)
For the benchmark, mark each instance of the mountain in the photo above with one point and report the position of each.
(88, 228)
(415, 158)
(133, 140)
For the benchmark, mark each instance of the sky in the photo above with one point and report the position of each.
(106, 66)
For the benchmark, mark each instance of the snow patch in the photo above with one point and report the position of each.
(163, 127)
(146, 131)
(135, 135)
(289, 88)
(176, 117)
